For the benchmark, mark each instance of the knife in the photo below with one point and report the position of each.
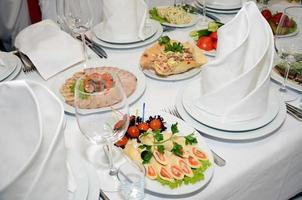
(95, 45)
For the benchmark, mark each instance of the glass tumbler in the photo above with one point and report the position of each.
(132, 180)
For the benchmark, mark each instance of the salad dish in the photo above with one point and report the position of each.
(289, 28)
(169, 57)
(294, 75)
(206, 39)
(174, 16)
(173, 154)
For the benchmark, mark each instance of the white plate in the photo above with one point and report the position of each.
(80, 176)
(159, 32)
(225, 6)
(156, 188)
(233, 136)
(149, 30)
(10, 64)
(60, 80)
(176, 77)
(289, 83)
(15, 72)
(192, 92)
(217, 11)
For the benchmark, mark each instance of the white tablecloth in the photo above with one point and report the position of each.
(266, 169)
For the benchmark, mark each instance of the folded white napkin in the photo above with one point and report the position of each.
(50, 49)
(32, 143)
(235, 85)
(124, 20)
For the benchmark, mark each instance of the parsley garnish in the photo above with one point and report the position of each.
(164, 40)
(190, 139)
(158, 136)
(174, 47)
(161, 148)
(144, 146)
(170, 46)
(174, 128)
(177, 149)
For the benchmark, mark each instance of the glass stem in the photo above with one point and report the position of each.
(84, 50)
(283, 89)
(112, 169)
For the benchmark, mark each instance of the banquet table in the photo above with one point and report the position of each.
(267, 168)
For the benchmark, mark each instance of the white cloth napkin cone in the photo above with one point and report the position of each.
(124, 20)
(49, 48)
(32, 146)
(235, 86)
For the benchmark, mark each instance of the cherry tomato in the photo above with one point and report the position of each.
(143, 127)
(133, 131)
(215, 44)
(155, 124)
(205, 43)
(266, 14)
(122, 142)
(214, 35)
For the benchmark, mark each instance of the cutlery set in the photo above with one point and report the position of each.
(94, 47)
(294, 111)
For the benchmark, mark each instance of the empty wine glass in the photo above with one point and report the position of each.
(78, 18)
(288, 43)
(102, 113)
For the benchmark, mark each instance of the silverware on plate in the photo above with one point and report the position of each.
(28, 66)
(219, 161)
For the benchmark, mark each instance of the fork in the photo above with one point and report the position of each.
(294, 111)
(219, 161)
(28, 66)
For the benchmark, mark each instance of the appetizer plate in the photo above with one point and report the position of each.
(60, 80)
(233, 136)
(15, 72)
(153, 38)
(290, 83)
(191, 94)
(10, 63)
(156, 188)
(149, 30)
(78, 174)
(176, 77)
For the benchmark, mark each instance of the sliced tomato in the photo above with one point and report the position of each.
(122, 142)
(155, 124)
(215, 44)
(214, 35)
(205, 43)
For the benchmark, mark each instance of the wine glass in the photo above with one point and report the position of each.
(78, 18)
(102, 114)
(288, 44)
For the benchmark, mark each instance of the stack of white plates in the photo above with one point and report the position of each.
(153, 30)
(220, 7)
(10, 66)
(214, 126)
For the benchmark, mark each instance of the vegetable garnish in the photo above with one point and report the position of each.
(170, 46)
(146, 156)
(177, 149)
(190, 139)
(174, 128)
(161, 148)
(158, 136)
(154, 15)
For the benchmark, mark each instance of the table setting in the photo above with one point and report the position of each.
(137, 105)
